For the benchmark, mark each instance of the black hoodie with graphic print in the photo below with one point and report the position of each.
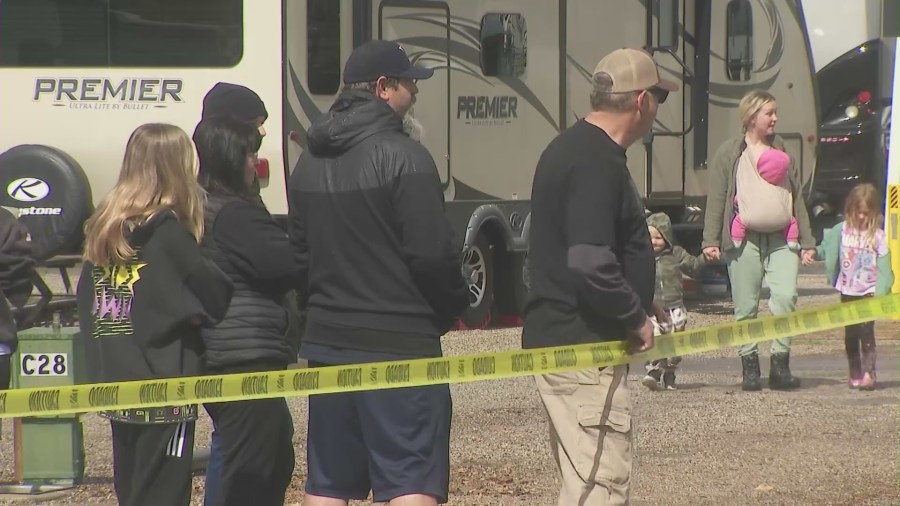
(142, 320)
(380, 270)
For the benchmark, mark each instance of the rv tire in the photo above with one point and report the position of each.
(50, 194)
(478, 267)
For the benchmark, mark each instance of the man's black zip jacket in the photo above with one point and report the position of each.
(380, 267)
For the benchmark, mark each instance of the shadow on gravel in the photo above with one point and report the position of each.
(882, 385)
(686, 386)
(709, 307)
(807, 382)
(97, 480)
(803, 292)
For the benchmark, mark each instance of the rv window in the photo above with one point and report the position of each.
(739, 46)
(504, 47)
(323, 46)
(121, 33)
(667, 23)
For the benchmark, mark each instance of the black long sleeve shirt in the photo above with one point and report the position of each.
(590, 261)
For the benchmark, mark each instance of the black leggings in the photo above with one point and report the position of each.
(859, 341)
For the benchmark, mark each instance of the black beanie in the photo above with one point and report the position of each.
(239, 102)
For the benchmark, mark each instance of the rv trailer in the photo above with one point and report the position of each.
(78, 76)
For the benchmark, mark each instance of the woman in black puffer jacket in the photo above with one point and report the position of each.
(243, 239)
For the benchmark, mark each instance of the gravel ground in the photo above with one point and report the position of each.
(707, 443)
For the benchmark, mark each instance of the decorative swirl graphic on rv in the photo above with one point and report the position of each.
(776, 36)
(465, 28)
(309, 109)
(465, 56)
(585, 73)
(432, 57)
(729, 94)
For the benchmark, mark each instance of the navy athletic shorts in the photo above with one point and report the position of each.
(393, 442)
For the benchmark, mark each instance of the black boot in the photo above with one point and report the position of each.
(780, 377)
(750, 363)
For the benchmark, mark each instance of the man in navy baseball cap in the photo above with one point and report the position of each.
(381, 58)
(362, 180)
(382, 68)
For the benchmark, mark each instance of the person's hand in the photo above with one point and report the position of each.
(642, 338)
(711, 253)
(808, 256)
(662, 316)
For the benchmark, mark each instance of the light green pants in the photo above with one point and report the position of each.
(763, 255)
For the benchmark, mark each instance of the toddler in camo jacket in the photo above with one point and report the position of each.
(671, 262)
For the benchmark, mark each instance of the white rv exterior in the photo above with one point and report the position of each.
(509, 75)
(89, 111)
(837, 26)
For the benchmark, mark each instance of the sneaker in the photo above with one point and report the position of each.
(854, 382)
(651, 380)
(669, 380)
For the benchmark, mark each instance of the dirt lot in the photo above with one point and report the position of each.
(706, 443)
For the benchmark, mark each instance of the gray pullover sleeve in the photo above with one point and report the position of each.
(602, 286)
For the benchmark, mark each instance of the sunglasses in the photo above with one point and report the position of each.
(399, 79)
(660, 94)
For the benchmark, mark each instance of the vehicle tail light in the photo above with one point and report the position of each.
(262, 170)
(864, 97)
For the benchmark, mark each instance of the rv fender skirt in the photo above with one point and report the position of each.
(49, 192)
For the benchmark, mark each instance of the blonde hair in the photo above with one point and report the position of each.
(864, 197)
(157, 174)
(750, 105)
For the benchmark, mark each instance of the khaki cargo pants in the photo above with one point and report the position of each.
(590, 434)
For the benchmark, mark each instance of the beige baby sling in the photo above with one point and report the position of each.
(764, 207)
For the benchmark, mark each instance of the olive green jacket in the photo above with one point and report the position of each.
(670, 264)
(720, 196)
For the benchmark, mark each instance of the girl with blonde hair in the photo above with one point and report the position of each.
(144, 292)
(858, 265)
(736, 187)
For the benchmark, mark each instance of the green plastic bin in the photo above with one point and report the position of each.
(49, 449)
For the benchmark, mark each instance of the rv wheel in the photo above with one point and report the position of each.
(478, 267)
(49, 192)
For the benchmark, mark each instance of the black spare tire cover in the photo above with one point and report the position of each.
(50, 194)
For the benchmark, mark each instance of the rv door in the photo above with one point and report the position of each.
(665, 146)
(423, 30)
(318, 38)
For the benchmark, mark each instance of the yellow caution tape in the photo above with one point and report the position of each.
(419, 372)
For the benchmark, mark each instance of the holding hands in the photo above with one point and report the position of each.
(712, 253)
(808, 256)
